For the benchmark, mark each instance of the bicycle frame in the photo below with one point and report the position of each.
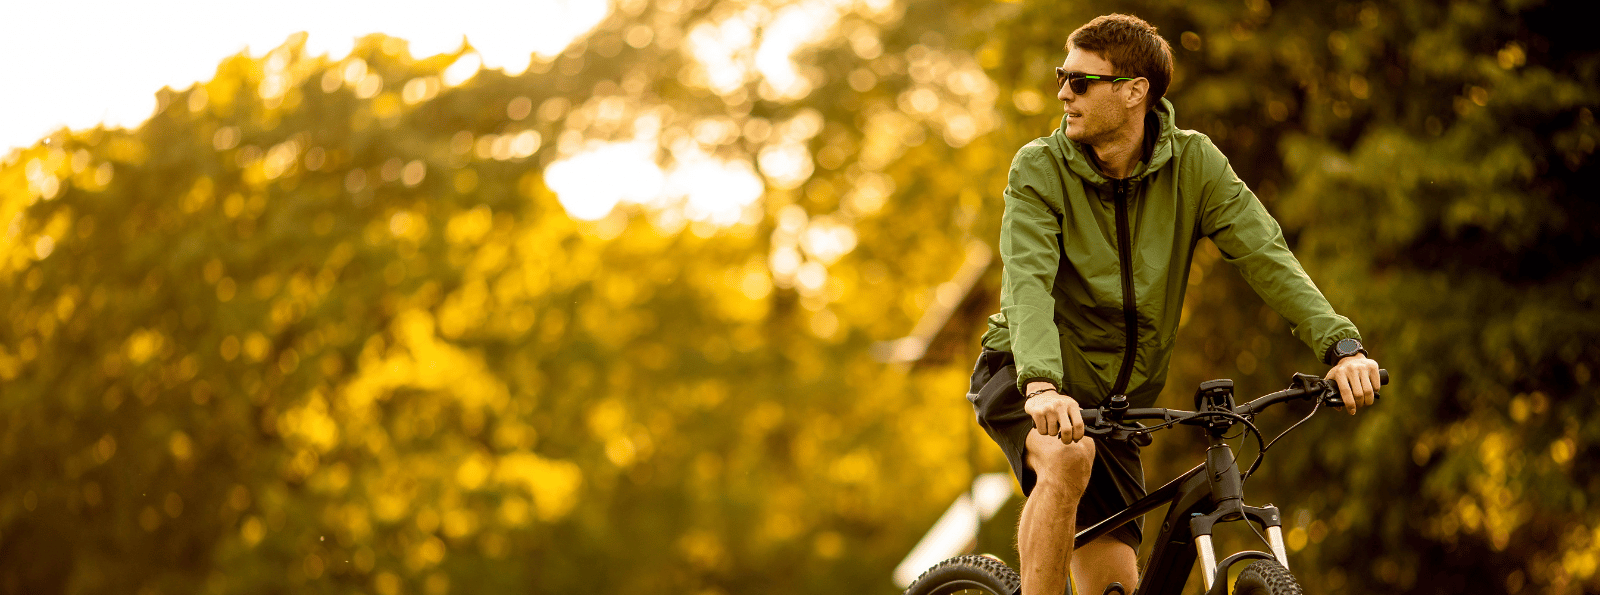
(1200, 498)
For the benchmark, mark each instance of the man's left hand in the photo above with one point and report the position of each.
(1357, 378)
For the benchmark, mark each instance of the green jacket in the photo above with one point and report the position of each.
(1075, 243)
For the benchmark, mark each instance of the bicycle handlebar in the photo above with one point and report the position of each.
(1308, 386)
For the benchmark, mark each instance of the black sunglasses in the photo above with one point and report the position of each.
(1080, 81)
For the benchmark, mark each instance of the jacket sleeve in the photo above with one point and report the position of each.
(1030, 249)
(1250, 240)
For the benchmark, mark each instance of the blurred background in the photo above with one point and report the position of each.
(688, 304)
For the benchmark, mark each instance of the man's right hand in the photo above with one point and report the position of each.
(1055, 414)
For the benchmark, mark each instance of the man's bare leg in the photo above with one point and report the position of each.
(1049, 517)
(1104, 561)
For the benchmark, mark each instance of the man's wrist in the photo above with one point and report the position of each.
(1039, 387)
(1341, 349)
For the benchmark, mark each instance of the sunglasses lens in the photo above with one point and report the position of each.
(1080, 85)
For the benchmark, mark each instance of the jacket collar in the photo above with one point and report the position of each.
(1158, 148)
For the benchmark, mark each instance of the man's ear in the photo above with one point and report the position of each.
(1138, 90)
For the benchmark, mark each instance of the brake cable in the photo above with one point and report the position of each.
(1263, 452)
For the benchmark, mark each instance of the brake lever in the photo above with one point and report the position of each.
(1137, 436)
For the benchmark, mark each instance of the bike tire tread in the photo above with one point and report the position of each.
(971, 567)
(1266, 577)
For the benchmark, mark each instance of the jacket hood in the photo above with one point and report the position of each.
(1079, 163)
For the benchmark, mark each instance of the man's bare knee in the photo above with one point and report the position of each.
(1061, 466)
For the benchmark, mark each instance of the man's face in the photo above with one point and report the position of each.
(1100, 111)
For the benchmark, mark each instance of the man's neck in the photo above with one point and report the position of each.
(1118, 155)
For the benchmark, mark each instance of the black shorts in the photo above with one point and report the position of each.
(1117, 479)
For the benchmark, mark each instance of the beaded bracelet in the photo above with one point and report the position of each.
(1040, 392)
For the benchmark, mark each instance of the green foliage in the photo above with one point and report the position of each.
(321, 325)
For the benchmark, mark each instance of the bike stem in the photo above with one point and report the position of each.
(1227, 492)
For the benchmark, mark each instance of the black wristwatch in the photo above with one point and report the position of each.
(1341, 349)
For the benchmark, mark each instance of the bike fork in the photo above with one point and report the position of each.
(1275, 540)
(1210, 568)
(1208, 555)
(1208, 559)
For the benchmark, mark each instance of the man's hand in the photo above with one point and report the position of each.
(1357, 378)
(1055, 414)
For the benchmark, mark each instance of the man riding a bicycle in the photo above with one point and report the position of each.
(1101, 221)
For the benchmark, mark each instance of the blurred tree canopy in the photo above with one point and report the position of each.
(323, 324)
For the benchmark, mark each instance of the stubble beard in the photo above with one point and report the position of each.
(1103, 129)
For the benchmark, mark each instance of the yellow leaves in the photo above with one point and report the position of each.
(473, 471)
(465, 181)
(386, 583)
(1524, 405)
(742, 291)
(464, 309)
(10, 366)
(283, 158)
(426, 554)
(228, 348)
(552, 484)
(1492, 504)
(1296, 539)
(310, 425)
(620, 290)
(754, 282)
(386, 106)
(625, 442)
(1581, 564)
(181, 447)
(423, 361)
(828, 544)
(390, 507)
(199, 195)
(470, 227)
(403, 225)
(233, 205)
(620, 451)
(143, 344)
(702, 549)
(301, 465)
(1511, 56)
(856, 467)
(252, 531)
(607, 417)
(514, 510)
(1561, 451)
(256, 346)
(126, 149)
(105, 448)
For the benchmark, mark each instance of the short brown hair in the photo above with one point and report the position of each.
(1132, 46)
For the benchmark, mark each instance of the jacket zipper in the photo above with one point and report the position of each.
(1129, 315)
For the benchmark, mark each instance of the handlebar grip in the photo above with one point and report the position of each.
(1332, 398)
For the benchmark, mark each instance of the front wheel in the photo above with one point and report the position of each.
(968, 575)
(1266, 577)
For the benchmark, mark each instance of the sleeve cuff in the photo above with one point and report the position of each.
(1024, 379)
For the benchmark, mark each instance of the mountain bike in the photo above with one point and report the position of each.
(1209, 494)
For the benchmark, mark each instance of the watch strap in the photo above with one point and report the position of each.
(1334, 355)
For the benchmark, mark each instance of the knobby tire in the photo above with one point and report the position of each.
(968, 574)
(1266, 577)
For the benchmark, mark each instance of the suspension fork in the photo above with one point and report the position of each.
(1227, 490)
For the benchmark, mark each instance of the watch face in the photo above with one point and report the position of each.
(1347, 347)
